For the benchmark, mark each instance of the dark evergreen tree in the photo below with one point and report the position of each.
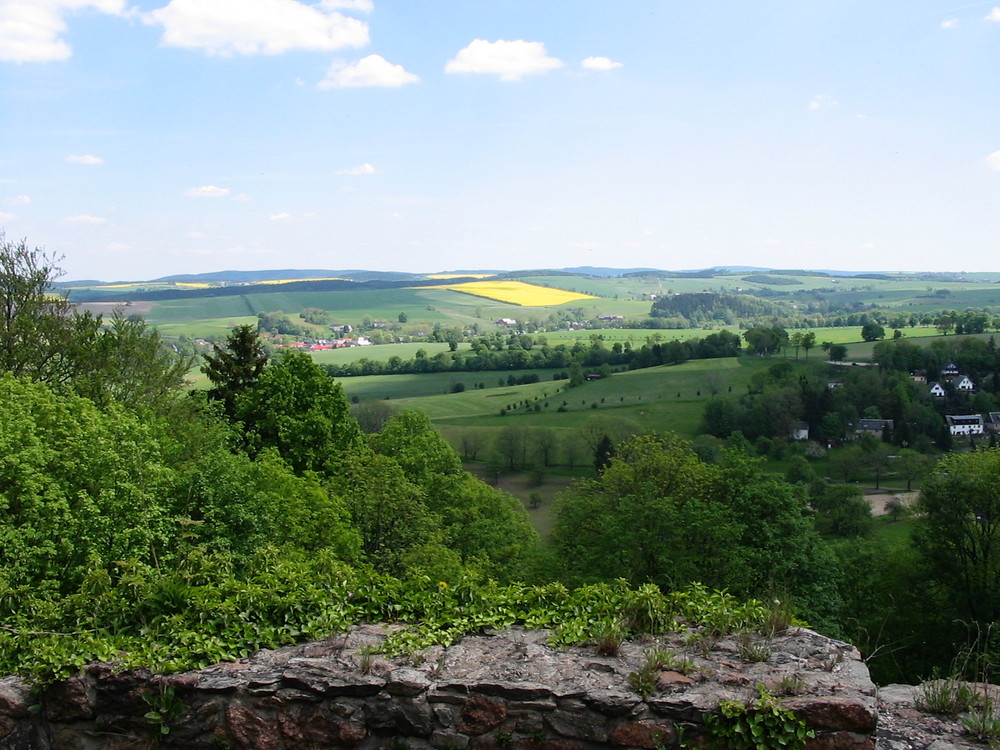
(603, 453)
(234, 367)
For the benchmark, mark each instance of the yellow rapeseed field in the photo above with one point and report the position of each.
(516, 292)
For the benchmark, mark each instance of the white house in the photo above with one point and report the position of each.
(799, 431)
(964, 383)
(937, 390)
(949, 369)
(965, 424)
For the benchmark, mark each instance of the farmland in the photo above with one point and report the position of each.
(518, 293)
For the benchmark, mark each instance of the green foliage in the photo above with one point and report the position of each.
(762, 725)
(36, 327)
(958, 532)
(165, 708)
(297, 409)
(658, 513)
(945, 696)
(234, 367)
(841, 510)
(79, 485)
(982, 722)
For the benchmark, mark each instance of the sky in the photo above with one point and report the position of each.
(155, 137)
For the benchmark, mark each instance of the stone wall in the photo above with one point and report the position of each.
(490, 692)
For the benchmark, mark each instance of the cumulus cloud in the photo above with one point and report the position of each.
(86, 219)
(242, 198)
(283, 217)
(7, 216)
(373, 70)
(84, 159)
(951, 23)
(822, 101)
(206, 191)
(251, 27)
(31, 30)
(361, 169)
(511, 60)
(362, 6)
(993, 15)
(994, 160)
(17, 200)
(600, 63)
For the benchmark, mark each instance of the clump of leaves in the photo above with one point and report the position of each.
(661, 658)
(164, 709)
(643, 681)
(761, 725)
(982, 722)
(608, 636)
(790, 684)
(753, 649)
(945, 696)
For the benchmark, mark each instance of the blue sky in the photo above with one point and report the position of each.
(140, 139)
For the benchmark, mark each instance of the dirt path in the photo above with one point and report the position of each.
(879, 500)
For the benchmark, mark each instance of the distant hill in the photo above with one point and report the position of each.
(249, 277)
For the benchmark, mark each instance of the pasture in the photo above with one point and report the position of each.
(395, 387)
(654, 399)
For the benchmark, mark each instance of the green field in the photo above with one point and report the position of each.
(658, 398)
(381, 352)
(382, 387)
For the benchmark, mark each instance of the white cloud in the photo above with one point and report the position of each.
(511, 60)
(994, 160)
(84, 159)
(206, 191)
(242, 198)
(6, 216)
(282, 217)
(993, 15)
(17, 200)
(361, 169)
(373, 70)
(951, 23)
(30, 30)
(86, 219)
(362, 6)
(822, 101)
(600, 63)
(250, 27)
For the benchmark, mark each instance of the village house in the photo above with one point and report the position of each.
(964, 383)
(799, 431)
(877, 427)
(965, 424)
(993, 421)
(938, 390)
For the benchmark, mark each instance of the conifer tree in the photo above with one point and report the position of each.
(234, 367)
